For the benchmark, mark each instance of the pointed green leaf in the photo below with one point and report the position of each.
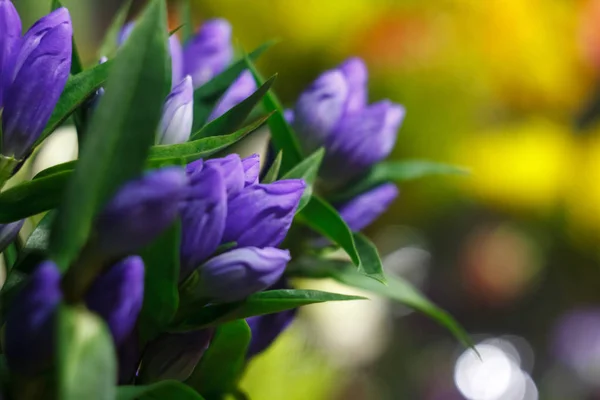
(268, 302)
(110, 42)
(370, 262)
(273, 172)
(167, 389)
(121, 132)
(87, 368)
(234, 118)
(36, 245)
(307, 169)
(222, 364)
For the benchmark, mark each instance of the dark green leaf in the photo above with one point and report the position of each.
(110, 42)
(167, 389)
(206, 96)
(273, 172)
(77, 90)
(222, 364)
(87, 368)
(185, 17)
(399, 171)
(324, 219)
(396, 289)
(121, 132)
(282, 135)
(10, 256)
(234, 118)
(36, 245)
(370, 262)
(161, 298)
(269, 302)
(308, 170)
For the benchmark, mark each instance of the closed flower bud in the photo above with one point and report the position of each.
(365, 208)
(117, 296)
(239, 90)
(29, 334)
(202, 216)
(238, 273)
(9, 232)
(41, 69)
(333, 113)
(10, 33)
(208, 52)
(140, 211)
(178, 114)
(262, 214)
(266, 328)
(176, 60)
(173, 356)
(251, 166)
(233, 172)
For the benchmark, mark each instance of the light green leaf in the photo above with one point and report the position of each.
(34, 251)
(370, 262)
(120, 135)
(307, 169)
(273, 172)
(87, 368)
(222, 364)
(110, 42)
(167, 389)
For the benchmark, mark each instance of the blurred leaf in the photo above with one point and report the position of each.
(235, 117)
(185, 18)
(268, 302)
(308, 170)
(324, 219)
(77, 90)
(110, 42)
(161, 298)
(223, 362)
(399, 171)
(10, 256)
(167, 389)
(206, 96)
(370, 262)
(273, 172)
(121, 132)
(36, 245)
(397, 289)
(282, 135)
(87, 368)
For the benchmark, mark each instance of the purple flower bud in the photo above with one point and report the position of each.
(174, 355)
(288, 114)
(178, 114)
(365, 208)
(233, 172)
(251, 166)
(140, 211)
(209, 51)
(266, 328)
(34, 86)
(176, 60)
(117, 296)
(125, 33)
(203, 217)
(9, 232)
(238, 273)
(262, 214)
(10, 33)
(29, 334)
(355, 71)
(239, 91)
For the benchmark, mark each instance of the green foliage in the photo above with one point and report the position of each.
(273, 172)
(307, 169)
(110, 42)
(167, 389)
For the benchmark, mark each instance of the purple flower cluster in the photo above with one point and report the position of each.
(34, 69)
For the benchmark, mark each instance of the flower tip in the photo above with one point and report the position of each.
(218, 28)
(355, 70)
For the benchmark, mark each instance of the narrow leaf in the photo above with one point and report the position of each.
(370, 262)
(273, 172)
(109, 44)
(308, 170)
(36, 246)
(167, 389)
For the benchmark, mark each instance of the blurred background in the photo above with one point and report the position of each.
(508, 88)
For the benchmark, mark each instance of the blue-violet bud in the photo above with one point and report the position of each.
(178, 114)
(176, 60)
(233, 172)
(261, 214)
(238, 273)
(365, 208)
(239, 91)
(251, 166)
(10, 34)
(9, 232)
(41, 69)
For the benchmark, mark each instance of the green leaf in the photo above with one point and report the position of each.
(167, 389)
(282, 135)
(308, 170)
(273, 172)
(324, 219)
(206, 96)
(185, 17)
(370, 262)
(36, 245)
(87, 368)
(397, 289)
(235, 117)
(399, 171)
(110, 42)
(161, 298)
(268, 302)
(222, 364)
(77, 90)
(120, 134)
